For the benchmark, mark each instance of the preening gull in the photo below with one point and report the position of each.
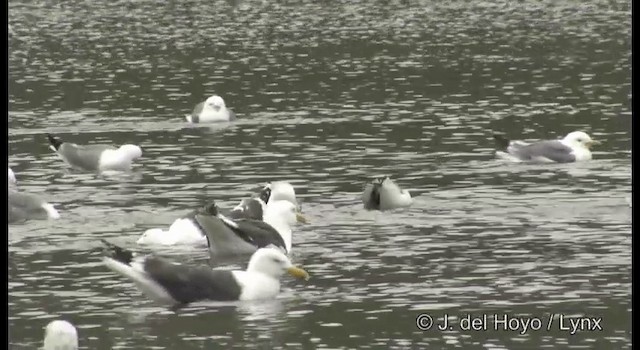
(60, 335)
(25, 206)
(572, 148)
(210, 111)
(384, 194)
(167, 282)
(95, 157)
(226, 236)
(252, 208)
(188, 231)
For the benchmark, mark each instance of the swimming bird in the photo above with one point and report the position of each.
(175, 284)
(95, 157)
(60, 335)
(252, 208)
(238, 236)
(210, 111)
(384, 194)
(22, 206)
(187, 231)
(574, 147)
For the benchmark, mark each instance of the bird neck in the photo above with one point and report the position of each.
(282, 227)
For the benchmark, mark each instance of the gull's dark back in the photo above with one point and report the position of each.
(187, 284)
(247, 209)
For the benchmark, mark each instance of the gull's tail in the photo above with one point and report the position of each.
(117, 253)
(54, 141)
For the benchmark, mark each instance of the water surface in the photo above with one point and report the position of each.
(328, 96)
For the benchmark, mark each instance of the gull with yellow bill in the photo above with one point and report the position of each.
(574, 147)
(174, 284)
(237, 236)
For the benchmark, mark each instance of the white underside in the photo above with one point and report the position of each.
(392, 197)
(182, 232)
(256, 285)
(210, 116)
(138, 276)
(396, 200)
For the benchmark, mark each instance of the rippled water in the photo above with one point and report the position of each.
(328, 95)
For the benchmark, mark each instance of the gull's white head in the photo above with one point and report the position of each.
(579, 139)
(215, 103)
(132, 151)
(274, 263)
(60, 335)
(12, 178)
(279, 190)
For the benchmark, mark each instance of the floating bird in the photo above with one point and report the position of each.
(177, 285)
(60, 335)
(572, 148)
(228, 236)
(252, 208)
(188, 231)
(384, 194)
(210, 111)
(95, 157)
(24, 206)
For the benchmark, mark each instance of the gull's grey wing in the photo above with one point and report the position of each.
(23, 206)
(83, 157)
(552, 150)
(195, 115)
(249, 208)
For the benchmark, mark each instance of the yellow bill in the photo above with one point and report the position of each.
(592, 143)
(301, 218)
(298, 273)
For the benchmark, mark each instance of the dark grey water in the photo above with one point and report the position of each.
(328, 95)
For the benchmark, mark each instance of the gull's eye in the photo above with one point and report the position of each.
(276, 260)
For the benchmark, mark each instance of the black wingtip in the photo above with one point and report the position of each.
(54, 141)
(117, 253)
(501, 141)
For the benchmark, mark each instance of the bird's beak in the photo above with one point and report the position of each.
(298, 273)
(592, 143)
(217, 108)
(301, 218)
